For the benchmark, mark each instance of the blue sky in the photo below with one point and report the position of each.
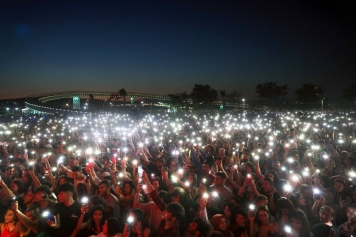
(168, 46)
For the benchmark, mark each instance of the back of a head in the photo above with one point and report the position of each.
(77, 169)
(105, 182)
(221, 174)
(113, 226)
(239, 231)
(66, 187)
(176, 209)
(202, 226)
(216, 234)
(321, 230)
(43, 188)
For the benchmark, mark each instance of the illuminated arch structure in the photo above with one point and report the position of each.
(37, 103)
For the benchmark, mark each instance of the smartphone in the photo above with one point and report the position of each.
(48, 216)
(139, 171)
(248, 179)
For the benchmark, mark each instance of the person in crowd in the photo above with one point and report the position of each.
(322, 230)
(299, 224)
(224, 193)
(94, 225)
(12, 226)
(219, 223)
(137, 226)
(110, 228)
(66, 212)
(262, 224)
(111, 202)
(251, 166)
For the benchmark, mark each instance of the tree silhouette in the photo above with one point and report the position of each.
(204, 94)
(122, 93)
(179, 100)
(235, 96)
(176, 100)
(271, 91)
(350, 93)
(310, 93)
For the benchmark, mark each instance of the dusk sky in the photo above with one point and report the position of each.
(167, 46)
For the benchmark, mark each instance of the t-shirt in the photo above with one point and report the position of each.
(155, 215)
(68, 216)
(114, 204)
(42, 225)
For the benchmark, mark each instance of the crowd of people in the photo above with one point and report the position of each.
(258, 174)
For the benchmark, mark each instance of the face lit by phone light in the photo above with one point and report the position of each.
(351, 213)
(338, 187)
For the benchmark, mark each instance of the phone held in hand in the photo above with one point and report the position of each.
(48, 216)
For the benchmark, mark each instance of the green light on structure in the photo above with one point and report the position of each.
(76, 102)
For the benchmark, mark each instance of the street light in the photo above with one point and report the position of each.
(243, 103)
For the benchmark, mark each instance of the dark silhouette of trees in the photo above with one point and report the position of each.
(204, 94)
(270, 91)
(176, 100)
(310, 93)
(179, 100)
(122, 93)
(350, 93)
(234, 96)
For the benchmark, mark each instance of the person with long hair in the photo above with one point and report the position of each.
(262, 224)
(110, 228)
(94, 225)
(126, 194)
(300, 204)
(229, 214)
(300, 225)
(12, 226)
(285, 208)
(340, 201)
(28, 219)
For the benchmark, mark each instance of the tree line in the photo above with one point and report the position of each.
(269, 93)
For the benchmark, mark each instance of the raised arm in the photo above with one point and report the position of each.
(8, 193)
(24, 219)
(80, 224)
(153, 193)
(35, 180)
